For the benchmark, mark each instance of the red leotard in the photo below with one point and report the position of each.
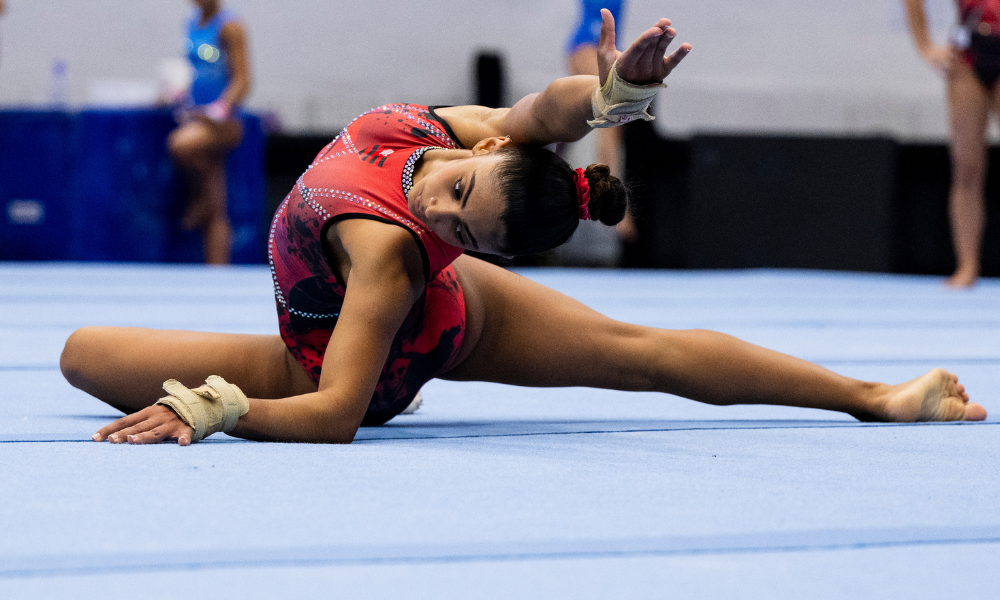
(366, 172)
(987, 11)
(980, 42)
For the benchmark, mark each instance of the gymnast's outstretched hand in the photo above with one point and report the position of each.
(150, 425)
(643, 62)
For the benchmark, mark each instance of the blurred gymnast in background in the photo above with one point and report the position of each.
(971, 66)
(210, 126)
(581, 51)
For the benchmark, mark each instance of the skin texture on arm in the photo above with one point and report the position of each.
(940, 57)
(561, 111)
(381, 289)
(383, 269)
(234, 39)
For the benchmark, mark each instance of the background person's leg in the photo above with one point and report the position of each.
(969, 105)
(200, 147)
(215, 229)
(126, 366)
(522, 333)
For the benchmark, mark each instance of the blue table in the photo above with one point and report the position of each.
(99, 185)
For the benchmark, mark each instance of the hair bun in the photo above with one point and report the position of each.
(608, 195)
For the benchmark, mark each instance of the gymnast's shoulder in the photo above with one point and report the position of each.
(370, 248)
(472, 124)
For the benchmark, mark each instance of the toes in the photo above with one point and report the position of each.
(975, 412)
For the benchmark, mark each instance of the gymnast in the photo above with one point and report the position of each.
(970, 65)
(375, 297)
(209, 121)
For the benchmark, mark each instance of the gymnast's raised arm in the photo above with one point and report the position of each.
(560, 113)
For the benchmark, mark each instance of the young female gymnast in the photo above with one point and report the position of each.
(209, 125)
(971, 66)
(374, 297)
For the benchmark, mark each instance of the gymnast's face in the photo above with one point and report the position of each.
(207, 6)
(455, 194)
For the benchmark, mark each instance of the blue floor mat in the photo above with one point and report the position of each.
(499, 491)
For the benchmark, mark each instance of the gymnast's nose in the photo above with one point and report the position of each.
(439, 208)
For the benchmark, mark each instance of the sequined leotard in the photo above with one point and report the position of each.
(366, 173)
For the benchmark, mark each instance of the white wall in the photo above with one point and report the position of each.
(825, 66)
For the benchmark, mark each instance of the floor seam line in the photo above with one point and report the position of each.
(598, 432)
(479, 557)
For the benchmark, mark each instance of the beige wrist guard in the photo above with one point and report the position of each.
(213, 407)
(617, 101)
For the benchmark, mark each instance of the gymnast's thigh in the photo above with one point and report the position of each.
(520, 332)
(200, 137)
(126, 366)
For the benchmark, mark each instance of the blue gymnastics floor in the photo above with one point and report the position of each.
(492, 491)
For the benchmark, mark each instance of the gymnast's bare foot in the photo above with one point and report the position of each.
(937, 396)
(962, 279)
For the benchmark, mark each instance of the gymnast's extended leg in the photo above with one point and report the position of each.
(522, 333)
(126, 366)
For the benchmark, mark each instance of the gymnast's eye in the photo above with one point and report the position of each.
(458, 232)
(457, 191)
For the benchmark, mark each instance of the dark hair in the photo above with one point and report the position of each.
(542, 207)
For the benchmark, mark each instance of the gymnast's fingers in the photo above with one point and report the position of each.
(650, 44)
(151, 419)
(671, 62)
(607, 30)
(657, 50)
(661, 44)
(120, 437)
(126, 421)
(184, 437)
(152, 436)
(163, 432)
(642, 62)
(606, 50)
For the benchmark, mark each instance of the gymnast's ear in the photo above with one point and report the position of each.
(490, 144)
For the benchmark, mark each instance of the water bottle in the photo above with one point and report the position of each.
(58, 86)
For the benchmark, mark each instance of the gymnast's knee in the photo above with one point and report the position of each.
(78, 355)
(187, 148)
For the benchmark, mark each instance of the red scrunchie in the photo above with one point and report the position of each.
(583, 194)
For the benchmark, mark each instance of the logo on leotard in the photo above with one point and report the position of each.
(372, 155)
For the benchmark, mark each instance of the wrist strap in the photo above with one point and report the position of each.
(618, 102)
(211, 408)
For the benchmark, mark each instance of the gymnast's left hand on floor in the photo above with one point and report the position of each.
(150, 425)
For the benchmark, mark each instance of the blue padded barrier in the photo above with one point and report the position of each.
(116, 191)
(127, 191)
(35, 153)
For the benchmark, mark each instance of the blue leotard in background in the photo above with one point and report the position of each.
(588, 31)
(207, 56)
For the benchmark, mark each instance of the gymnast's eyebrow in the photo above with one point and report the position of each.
(468, 190)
